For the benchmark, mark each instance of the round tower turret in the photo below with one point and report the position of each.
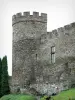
(27, 30)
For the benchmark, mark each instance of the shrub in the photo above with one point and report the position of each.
(46, 98)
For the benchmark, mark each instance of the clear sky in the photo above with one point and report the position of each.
(60, 13)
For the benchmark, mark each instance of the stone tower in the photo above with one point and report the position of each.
(27, 30)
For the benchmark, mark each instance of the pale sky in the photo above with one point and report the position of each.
(60, 13)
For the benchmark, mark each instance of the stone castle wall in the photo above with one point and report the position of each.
(32, 66)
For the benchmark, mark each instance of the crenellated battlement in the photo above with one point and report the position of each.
(60, 31)
(27, 17)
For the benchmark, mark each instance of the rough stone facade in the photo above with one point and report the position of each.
(42, 60)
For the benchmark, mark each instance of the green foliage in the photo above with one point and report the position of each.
(44, 98)
(4, 83)
(0, 75)
(18, 97)
(66, 95)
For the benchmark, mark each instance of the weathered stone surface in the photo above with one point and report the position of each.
(31, 55)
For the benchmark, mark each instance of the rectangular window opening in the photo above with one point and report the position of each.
(53, 54)
(36, 56)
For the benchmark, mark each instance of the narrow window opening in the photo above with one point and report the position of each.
(36, 56)
(53, 54)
